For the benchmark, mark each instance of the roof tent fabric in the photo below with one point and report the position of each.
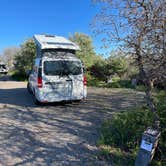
(54, 42)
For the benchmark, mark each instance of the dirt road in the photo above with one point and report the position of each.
(56, 134)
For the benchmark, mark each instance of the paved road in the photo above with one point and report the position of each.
(56, 134)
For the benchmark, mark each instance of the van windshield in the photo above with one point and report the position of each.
(62, 68)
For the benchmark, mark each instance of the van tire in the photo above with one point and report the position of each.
(36, 102)
(78, 100)
(29, 89)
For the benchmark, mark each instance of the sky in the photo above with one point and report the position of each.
(21, 19)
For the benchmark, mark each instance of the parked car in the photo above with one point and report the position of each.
(57, 74)
(3, 69)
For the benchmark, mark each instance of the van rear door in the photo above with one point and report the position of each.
(63, 78)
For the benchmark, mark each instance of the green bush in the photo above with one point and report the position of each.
(92, 81)
(124, 130)
(161, 106)
(116, 79)
(120, 84)
(18, 76)
(113, 85)
(140, 88)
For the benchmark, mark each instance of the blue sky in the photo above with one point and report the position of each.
(20, 19)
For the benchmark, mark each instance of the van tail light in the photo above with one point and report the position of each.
(39, 82)
(39, 78)
(85, 80)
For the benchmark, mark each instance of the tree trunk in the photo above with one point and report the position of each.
(149, 97)
(150, 101)
(149, 87)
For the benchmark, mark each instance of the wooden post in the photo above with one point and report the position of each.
(148, 145)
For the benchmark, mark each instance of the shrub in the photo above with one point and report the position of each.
(120, 84)
(113, 85)
(115, 78)
(92, 81)
(18, 76)
(99, 70)
(140, 88)
(161, 106)
(124, 130)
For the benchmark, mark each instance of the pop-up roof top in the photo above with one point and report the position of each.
(2, 63)
(54, 42)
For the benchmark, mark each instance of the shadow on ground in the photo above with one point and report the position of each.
(5, 78)
(56, 134)
(16, 96)
(48, 136)
(109, 101)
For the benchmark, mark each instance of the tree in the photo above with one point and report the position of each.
(117, 65)
(24, 58)
(86, 53)
(137, 26)
(8, 56)
(99, 70)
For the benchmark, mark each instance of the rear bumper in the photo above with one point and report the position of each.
(49, 96)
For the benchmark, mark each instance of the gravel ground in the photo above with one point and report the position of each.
(59, 133)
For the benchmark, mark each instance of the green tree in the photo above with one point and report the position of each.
(99, 70)
(24, 58)
(117, 65)
(86, 53)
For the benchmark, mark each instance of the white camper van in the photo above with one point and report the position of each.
(57, 74)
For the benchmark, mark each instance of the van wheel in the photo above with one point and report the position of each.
(78, 100)
(29, 89)
(36, 101)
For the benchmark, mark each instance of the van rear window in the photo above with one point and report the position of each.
(62, 68)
